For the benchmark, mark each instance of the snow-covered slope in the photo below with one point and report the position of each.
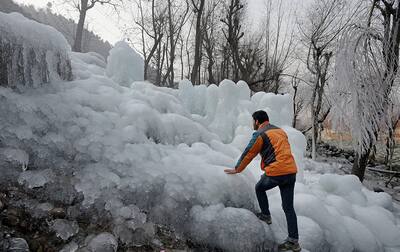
(162, 150)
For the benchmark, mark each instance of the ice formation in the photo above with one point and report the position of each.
(31, 53)
(148, 154)
(124, 65)
(16, 156)
(33, 179)
(64, 229)
(104, 242)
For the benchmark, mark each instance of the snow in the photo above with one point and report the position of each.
(124, 65)
(156, 155)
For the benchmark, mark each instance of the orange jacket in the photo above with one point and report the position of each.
(273, 145)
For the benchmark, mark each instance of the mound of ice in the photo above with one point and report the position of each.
(230, 229)
(85, 64)
(162, 151)
(124, 65)
(34, 53)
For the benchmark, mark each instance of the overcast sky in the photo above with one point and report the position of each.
(105, 23)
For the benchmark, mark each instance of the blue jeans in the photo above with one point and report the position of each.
(286, 186)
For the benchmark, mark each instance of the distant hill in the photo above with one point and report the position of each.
(90, 42)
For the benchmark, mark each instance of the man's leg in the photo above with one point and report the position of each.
(287, 193)
(264, 184)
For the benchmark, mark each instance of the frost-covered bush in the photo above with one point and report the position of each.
(124, 65)
(31, 53)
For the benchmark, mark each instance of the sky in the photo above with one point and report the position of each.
(103, 21)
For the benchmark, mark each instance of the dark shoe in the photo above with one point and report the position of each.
(289, 246)
(265, 218)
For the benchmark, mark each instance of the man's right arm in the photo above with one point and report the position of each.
(253, 148)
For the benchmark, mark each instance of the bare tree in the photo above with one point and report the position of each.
(176, 20)
(152, 27)
(209, 27)
(251, 57)
(298, 102)
(198, 6)
(83, 6)
(233, 33)
(278, 48)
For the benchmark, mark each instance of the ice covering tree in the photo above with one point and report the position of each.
(31, 53)
(320, 32)
(366, 68)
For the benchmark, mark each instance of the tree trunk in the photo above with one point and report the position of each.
(197, 52)
(294, 121)
(314, 118)
(181, 57)
(145, 67)
(313, 136)
(360, 164)
(159, 65)
(79, 29)
(211, 78)
(170, 75)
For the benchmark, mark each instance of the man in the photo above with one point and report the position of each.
(280, 169)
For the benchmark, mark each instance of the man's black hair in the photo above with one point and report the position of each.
(260, 116)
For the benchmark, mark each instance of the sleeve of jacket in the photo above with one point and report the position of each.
(252, 149)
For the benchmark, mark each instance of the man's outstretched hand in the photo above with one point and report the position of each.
(230, 171)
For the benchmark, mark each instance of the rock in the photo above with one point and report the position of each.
(378, 189)
(70, 247)
(17, 245)
(64, 229)
(83, 250)
(46, 207)
(2, 196)
(74, 212)
(58, 212)
(124, 234)
(157, 243)
(42, 210)
(1, 205)
(104, 242)
(12, 217)
(144, 235)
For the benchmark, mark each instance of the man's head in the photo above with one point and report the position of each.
(259, 117)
